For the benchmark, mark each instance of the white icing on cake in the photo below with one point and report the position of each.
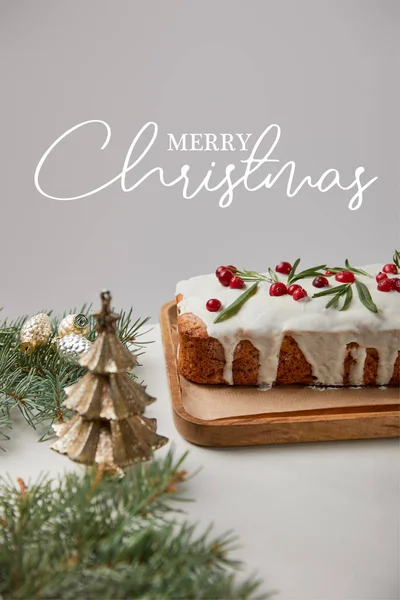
(321, 334)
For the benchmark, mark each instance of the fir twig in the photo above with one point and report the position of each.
(34, 384)
(103, 537)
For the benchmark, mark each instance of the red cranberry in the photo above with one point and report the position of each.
(299, 294)
(345, 277)
(219, 270)
(225, 277)
(329, 273)
(381, 276)
(385, 285)
(236, 283)
(213, 305)
(278, 289)
(292, 288)
(320, 282)
(395, 284)
(284, 268)
(232, 268)
(390, 268)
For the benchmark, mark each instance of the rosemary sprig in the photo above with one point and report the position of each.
(341, 291)
(356, 271)
(272, 274)
(346, 290)
(312, 272)
(336, 293)
(335, 298)
(256, 276)
(396, 258)
(330, 291)
(348, 267)
(233, 308)
(365, 296)
(293, 271)
(348, 298)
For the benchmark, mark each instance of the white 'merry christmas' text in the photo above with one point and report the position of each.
(325, 182)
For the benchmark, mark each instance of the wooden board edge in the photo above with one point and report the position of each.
(373, 426)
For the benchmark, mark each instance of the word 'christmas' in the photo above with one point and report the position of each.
(252, 164)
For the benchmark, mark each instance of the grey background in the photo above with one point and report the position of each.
(326, 71)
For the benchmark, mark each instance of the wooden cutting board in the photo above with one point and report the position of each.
(214, 415)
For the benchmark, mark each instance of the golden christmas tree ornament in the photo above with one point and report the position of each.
(78, 324)
(109, 428)
(72, 346)
(113, 397)
(35, 333)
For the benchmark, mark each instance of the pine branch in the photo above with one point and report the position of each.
(33, 384)
(96, 536)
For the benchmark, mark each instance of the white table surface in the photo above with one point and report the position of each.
(315, 521)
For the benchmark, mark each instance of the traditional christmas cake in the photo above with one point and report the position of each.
(329, 326)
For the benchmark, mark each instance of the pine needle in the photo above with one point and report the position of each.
(34, 384)
(99, 536)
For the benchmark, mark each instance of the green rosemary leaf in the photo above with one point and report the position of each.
(293, 270)
(396, 258)
(354, 270)
(313, 272)
(330, 291)
(365, 296)
(233, 308)
(335, 269)
(360, 272)
(253, 276)
(348, 298)
(333, 301)
(272, 274)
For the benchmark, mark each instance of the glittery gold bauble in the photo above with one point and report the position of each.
(72, 346)
(78, 324)
(35, 333)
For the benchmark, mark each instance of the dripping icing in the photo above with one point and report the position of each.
(357, 370)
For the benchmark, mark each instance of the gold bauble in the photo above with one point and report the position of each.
(71, 346)
(77, 324)
(35, 333)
